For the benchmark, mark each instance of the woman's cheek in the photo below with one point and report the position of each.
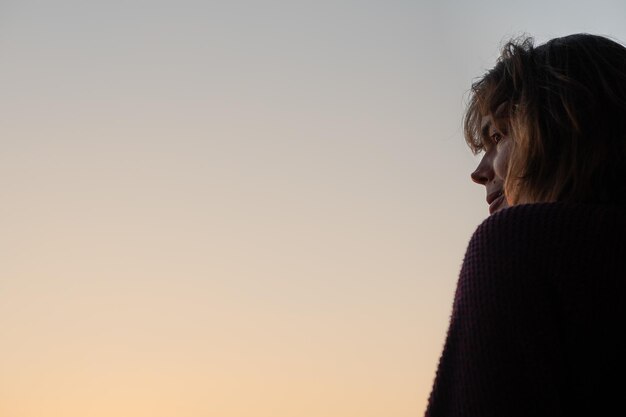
(501, 161)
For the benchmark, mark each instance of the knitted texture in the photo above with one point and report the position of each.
(539, 316)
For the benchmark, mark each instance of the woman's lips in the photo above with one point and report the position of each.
(495, 204)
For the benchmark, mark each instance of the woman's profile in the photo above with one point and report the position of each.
(538, 326)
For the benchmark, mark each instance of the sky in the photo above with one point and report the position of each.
(240, 208)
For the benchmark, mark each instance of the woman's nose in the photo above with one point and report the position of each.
(483, 172)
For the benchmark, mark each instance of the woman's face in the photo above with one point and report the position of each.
(492, 169)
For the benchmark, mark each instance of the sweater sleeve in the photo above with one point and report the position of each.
(501, 355)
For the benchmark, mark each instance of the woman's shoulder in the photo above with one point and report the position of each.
(527, 248)
(546, 219)
(549, 236)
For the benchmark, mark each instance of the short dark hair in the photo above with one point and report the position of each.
(565, 105)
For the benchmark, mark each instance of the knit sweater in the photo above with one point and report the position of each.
(538, 324)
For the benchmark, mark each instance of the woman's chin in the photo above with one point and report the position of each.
(498, 204)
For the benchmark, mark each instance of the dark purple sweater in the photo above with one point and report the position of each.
(539, 317)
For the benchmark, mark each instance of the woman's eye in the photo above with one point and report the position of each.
(496, 137)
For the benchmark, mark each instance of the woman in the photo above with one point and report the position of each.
(539, 315)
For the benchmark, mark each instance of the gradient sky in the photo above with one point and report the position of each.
(240, 208)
